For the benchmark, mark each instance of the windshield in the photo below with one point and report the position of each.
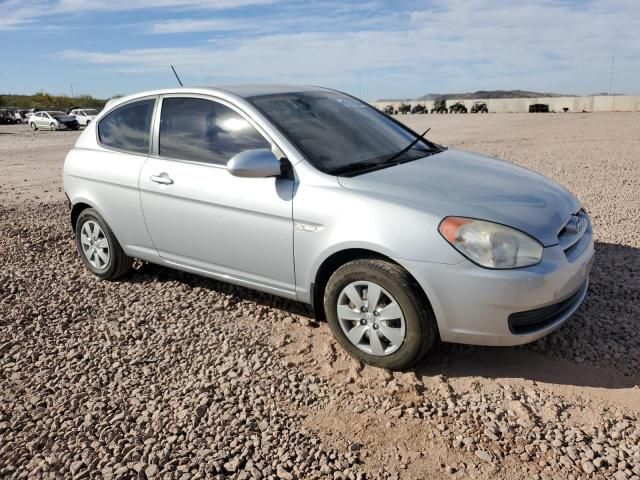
(339, 133)
(91, 112)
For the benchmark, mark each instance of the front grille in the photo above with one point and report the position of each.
(532, 320)
(573, 232)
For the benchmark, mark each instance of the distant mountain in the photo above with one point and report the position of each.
(490, 94)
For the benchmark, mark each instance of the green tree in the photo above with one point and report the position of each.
(42, 100)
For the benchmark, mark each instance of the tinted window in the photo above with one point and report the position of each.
(204, 131)
(127, 127)
(335, 130)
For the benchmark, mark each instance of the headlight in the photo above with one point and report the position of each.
(489, 244)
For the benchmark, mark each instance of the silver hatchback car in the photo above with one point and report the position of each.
(313, 195)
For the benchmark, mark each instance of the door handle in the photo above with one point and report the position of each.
(162, 179)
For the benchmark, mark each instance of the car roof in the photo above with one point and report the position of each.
(253, 90)
(241, 91)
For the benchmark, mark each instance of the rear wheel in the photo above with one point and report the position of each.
(99, 249)
(378, 314)
(33, 126)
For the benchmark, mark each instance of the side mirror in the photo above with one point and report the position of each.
(259, 163)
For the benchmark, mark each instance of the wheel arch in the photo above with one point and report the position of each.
(76, 210)
(334, 261)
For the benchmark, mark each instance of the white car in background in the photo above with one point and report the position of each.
(53, 120)
(84, 115)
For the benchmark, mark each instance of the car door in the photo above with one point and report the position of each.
(202, 218)
(107, 177)
(45, 119)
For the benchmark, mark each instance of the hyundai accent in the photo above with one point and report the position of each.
(314, 195)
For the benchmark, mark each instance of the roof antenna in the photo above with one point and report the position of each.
(176, 74)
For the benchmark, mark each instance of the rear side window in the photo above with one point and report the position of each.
(205, 131)
(127, 127)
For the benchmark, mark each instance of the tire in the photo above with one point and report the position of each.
(117, 263)
(53, 126)
(33, 126)
(420, 328)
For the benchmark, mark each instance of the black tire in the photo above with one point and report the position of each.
(421, 326)
(53, 127)
(119, 263)
(33, 126)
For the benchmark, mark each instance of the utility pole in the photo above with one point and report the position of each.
(611, 75)
(71, 90)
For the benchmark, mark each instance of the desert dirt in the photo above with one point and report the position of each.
(168, 375)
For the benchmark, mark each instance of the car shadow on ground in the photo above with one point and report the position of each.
(603, 333)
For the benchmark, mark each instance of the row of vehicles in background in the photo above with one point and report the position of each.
(440, 106)
(72, 119)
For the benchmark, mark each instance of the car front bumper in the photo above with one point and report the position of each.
(472, 304)
(68, 125)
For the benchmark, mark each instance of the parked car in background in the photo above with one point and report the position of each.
(316, 196)
(13, 113)
(53, 120)
(539, 108)
(24, 114)
(84, 115)
(6, 118)
(18, 116)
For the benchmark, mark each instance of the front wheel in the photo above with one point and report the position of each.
(99, 249)
(378, 314)
(53, 126)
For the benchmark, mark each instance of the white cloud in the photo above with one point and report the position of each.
(469, 44)
(16, 14)
(192, 25)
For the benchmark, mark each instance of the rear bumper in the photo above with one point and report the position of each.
(473, 305)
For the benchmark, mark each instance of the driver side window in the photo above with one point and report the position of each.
(205, 131)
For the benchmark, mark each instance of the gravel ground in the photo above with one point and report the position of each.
(169, 375)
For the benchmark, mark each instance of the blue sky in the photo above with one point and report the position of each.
(371, 48)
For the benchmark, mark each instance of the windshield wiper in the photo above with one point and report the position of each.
(408, 147)
(367, 166)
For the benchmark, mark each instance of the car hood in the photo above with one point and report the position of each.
(466, 184)
(65, 118)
